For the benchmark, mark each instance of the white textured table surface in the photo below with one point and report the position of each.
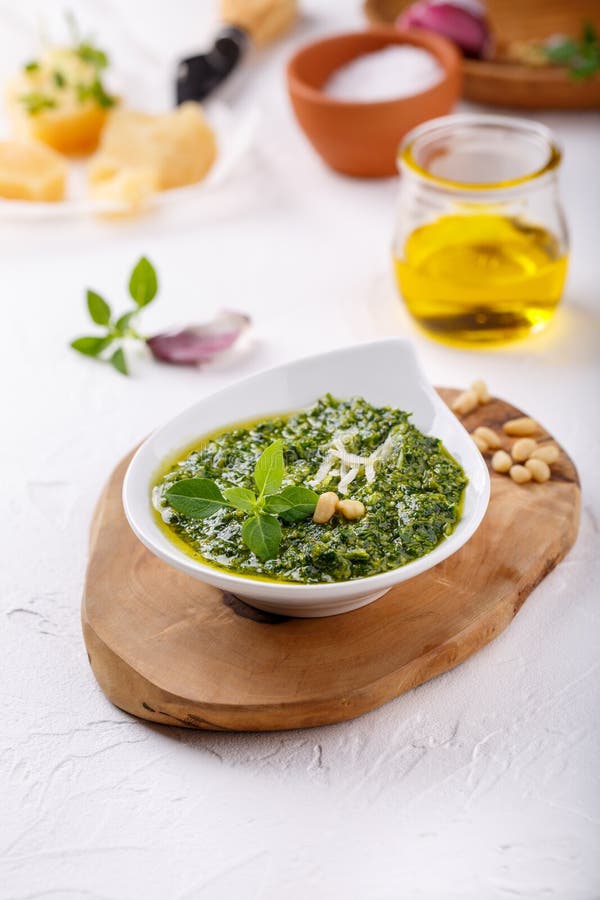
(483, 783)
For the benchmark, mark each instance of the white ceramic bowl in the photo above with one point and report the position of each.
(384, 373)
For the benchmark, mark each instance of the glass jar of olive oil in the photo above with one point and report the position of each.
(481, 245)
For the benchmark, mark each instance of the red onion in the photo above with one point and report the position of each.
(464, 23)
(198, 344)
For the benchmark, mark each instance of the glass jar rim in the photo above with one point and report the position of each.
(407, 162)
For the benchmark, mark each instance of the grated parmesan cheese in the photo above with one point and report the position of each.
(352, 463)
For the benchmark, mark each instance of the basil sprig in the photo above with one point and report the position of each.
(581, 57)
(199, 498)
(108, 347)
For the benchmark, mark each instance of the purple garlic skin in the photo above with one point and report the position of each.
(195, 345)
(462, 22)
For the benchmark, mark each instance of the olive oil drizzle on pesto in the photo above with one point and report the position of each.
(413, 502)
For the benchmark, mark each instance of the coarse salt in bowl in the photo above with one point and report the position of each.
(392, 72)
(360, 136)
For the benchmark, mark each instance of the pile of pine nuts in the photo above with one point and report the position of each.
(329, 504)
(526, 460)
(470, 400)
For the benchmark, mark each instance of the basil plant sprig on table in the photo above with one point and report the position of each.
(108, 347)
(192, 345)
(199, 498)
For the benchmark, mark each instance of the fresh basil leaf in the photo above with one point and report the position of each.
(589, 35)
(92, 55)
(124, 321)
(270, 469)
(583, 68)
(581, 57)
(275, 504)
(262, 535)
(197, 498)
(90, 346)
(241, 498)
(36, 102)
(143, 283)
(292, 504)
(563, 51)
(97, 92)
(98, 308)
(119, 362)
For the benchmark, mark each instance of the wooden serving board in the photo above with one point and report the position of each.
(166, 647)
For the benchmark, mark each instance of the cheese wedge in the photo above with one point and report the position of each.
(126, 187)
(31, 172)
(178, 148)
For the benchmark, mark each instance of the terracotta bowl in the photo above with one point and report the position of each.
(359, 138)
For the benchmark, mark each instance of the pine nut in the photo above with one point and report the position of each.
(351, 509)
(540, 471)
(480, 443)
(501, 461)
(522, 449)
(481, 389)
(521, 427)
(520, 474)
(489, 436)
(465, 403)
(549, 453)
(325, 508)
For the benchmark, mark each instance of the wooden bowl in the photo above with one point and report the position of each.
(509, 84)
(526, 87)
(357, 138)
(511, 20)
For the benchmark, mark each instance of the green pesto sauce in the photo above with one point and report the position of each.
(414, 502)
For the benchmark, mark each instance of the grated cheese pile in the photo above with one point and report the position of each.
(351, 463)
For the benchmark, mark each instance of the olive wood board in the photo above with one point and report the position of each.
(168, 648)
(510, 84)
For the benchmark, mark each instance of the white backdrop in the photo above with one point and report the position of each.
(482, 783)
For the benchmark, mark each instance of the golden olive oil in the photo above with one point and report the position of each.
(481, 278)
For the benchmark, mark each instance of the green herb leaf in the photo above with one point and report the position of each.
(100, 95)
(262, 535)
(35, 102)
(582, 58)
(94, 91)
(32, 66)
(92, 55)
(90, 345)
(143, 283)
(59, 79)
(241, 498)
(119, 362)
(270, 469)
(197, 498)
(98, 308)
(124, 321)
(293, 503)
(589, 35)
(562, 52)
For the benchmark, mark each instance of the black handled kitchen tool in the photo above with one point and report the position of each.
(198, 76)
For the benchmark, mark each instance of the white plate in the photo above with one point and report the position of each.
(234, 135)
(384, 373)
